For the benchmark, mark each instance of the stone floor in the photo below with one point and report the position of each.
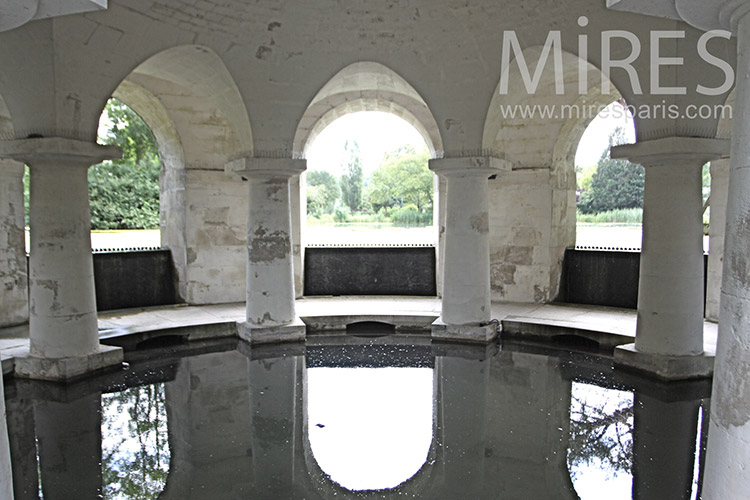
(605, 325)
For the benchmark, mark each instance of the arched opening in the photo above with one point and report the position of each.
(368, 183)
(609, 192)
(368, 127)
(533, 207)
(124, 193)
(189, 100)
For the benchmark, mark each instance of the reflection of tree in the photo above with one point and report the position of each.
(135, 450)
(600, 432)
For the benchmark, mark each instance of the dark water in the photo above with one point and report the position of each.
(386, 417)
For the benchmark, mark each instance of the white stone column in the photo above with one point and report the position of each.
(466, 260)
(728, 455)
(63, 321)
(669, 331)
(717, 223)
(14, 293)
(270, 311)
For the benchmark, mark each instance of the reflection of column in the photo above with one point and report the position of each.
(728, 455)
(719, 190)
(63, 322)
(22, 433)
(462, 398)
(274, 410)
(669, 332)
(466, 260)
(70, 447)
(6, 474)
(13, 271)
(209, 428)
(664, 437)
(528, 428)
(270, 275)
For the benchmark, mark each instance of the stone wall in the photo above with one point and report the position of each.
(525, 256)
(216, 206)
(13, 269)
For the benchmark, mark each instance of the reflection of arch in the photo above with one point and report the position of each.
(189, 99)
(367, 86)
(371, 356)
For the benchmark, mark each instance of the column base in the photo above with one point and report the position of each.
(465, 333)
(291, 332)
(663, 366)
(67, 369)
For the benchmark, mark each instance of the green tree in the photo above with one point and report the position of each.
(352, 181)
(403, 178)
(124, 193)
(322, 192)
(616, 184)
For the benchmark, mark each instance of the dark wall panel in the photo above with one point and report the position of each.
(134, 279)
(370, 271)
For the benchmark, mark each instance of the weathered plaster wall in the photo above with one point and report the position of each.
(13, 270)
(521, 252)
(216, 230)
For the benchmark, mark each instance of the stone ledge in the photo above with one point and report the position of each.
(292, 332)
(465, 333)
(67, 369)
(665, 367)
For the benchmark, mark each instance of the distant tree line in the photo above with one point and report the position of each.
(400, 190)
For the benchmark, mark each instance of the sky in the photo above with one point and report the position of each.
(378, 133)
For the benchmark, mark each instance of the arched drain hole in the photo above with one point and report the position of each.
(370, 329)
(576, 342)
(162, 341)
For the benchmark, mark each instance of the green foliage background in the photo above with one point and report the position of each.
(124, 193)
(616, 184)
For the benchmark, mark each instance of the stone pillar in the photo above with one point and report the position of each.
(270, 314)
(728, 455)
(69, 436)
(466, 260)
(63, 321)
(669, 331)
(719, 190)
(6, 472)
(14, 293)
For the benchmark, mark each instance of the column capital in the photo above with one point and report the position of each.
(672, 150)
(58, 150)
(265, 168)
(470, 166)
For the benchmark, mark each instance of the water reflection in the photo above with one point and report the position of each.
(361, 420)
(135, 449)
(600, 453)
(379, 418)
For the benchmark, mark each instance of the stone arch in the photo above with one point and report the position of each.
(367, 86)
(363, 86)
(533, 208)
(192, 104)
